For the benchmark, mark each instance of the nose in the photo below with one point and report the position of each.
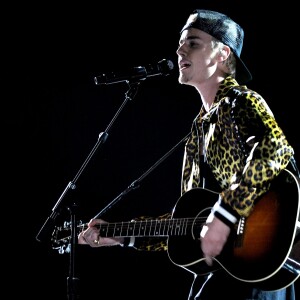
(180, 50)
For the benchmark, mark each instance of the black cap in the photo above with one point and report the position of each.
(226, 31)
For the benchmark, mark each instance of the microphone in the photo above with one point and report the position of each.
(163, 67)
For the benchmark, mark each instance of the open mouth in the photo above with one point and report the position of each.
(184, 65)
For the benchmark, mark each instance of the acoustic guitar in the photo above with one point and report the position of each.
(263, 250)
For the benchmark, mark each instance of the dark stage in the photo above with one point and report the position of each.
(54, 114)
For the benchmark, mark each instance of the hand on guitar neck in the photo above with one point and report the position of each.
(91, 235)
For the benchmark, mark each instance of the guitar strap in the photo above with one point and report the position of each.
(208, 180)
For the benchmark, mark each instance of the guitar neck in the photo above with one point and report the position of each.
(148, 228)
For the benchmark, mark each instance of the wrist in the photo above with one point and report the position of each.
(223, 214)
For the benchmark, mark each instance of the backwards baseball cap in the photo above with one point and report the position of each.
(226, 31)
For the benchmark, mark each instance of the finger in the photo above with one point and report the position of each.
(82, 239)
(95, 240)
(209, 260)
(91, 237)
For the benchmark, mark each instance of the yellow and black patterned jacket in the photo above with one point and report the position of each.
(243, 145)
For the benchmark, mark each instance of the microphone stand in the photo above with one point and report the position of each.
(47, 228)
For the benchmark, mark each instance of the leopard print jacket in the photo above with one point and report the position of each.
(243, 145)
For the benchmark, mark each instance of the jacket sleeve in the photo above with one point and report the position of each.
(151, 243)
(267, 153)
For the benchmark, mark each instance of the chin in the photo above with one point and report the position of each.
(182, 79)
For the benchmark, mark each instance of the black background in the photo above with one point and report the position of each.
(53, 114)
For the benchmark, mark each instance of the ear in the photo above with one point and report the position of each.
(224, 53)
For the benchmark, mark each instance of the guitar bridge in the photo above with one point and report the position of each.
(240, 232)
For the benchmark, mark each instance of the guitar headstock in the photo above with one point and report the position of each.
(61, 237)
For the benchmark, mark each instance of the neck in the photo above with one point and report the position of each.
(208, 91)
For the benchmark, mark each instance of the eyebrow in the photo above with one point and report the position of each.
(190, 37)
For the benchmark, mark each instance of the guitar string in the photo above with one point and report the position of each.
(141, 226)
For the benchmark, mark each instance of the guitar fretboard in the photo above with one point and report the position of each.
(166, 227)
